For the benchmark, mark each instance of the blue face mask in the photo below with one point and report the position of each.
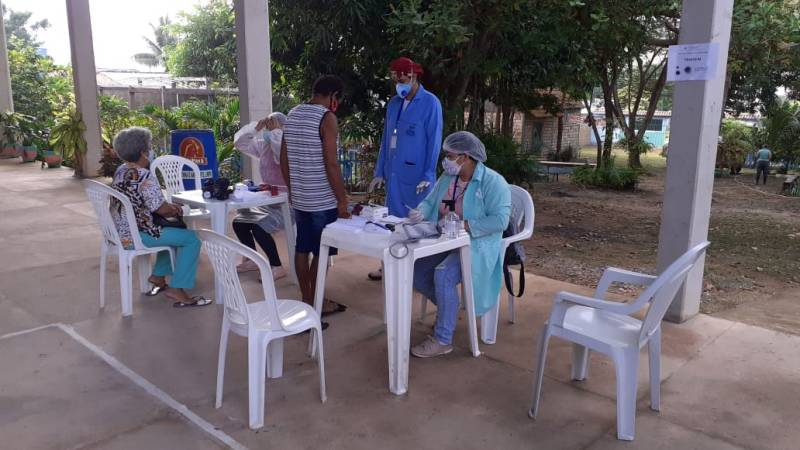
(402, 89)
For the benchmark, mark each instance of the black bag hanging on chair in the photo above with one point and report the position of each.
(515, 255)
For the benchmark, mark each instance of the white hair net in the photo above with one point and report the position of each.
(466, 143)
(279, 117)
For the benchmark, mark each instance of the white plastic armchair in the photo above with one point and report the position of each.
(264, 323)
(593, 323)
(524, 213)
(171, 169)
(100, 197)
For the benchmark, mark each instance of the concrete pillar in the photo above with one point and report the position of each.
(696, 113)
(253, 66)
(85, 78)
(6, 99)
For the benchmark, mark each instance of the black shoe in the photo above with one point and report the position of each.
(325, 326)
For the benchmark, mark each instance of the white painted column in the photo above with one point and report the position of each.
(689, 182)
(6, 99)
(85, 78)
(253, 66)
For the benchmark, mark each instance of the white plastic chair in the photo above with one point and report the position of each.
(100, 196)
(522, 211)
(264, 323)
(592, 323)
(171, 169)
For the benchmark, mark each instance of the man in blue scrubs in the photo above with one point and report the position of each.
(412, 138)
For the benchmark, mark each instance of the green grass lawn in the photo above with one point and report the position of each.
(650, 160)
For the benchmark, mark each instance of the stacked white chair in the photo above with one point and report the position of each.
(593, 323)
(100, 197)
(264, 323)
(170, 167)
(522, 210)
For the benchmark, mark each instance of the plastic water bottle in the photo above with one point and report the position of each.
(452, 223)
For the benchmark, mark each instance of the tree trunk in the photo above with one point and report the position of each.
(507, 129)
(593, 123)
(634, 158)
(497, 119)
(609, 138)
(559, 134)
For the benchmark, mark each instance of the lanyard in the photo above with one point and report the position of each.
(399, 113)
(455, 189)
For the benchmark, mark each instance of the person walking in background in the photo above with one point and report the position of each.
(411, 141)
(311, 169)
(763, 156)
(262, 141)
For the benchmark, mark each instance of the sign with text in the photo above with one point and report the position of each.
(692, 62)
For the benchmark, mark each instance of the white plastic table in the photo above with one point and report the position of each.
(398, 275)
(220, 209)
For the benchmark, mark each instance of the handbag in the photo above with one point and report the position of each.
(168, 222)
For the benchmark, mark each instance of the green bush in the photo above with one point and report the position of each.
(606, 177)
(507, 157)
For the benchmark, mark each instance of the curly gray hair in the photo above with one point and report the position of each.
(130, 143)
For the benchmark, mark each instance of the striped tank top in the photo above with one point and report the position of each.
(309, 184)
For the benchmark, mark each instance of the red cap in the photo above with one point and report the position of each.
(405, 65)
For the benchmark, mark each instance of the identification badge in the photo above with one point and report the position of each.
(393, 141)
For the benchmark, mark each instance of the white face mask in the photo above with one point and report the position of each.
(451, 167)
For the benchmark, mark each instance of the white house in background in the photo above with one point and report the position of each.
(657, 133)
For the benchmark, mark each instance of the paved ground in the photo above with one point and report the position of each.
(96, 380)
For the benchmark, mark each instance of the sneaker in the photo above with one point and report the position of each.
(431, 347)
(247, 266)
(376, 275)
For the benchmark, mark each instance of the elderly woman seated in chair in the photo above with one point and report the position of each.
(157, 220)
(482, 199)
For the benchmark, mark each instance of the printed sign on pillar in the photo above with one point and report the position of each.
(693, 62)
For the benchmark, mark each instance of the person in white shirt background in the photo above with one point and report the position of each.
(262, 141)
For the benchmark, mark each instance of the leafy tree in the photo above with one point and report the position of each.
(736, 141)
(163, 38)
(17, 26)
(780, 130)
(623, 42)
(763, 55)
(205, 43)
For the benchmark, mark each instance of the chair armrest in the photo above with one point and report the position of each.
(615, 275)
(564, 300)
(591, 302)
(521, 236)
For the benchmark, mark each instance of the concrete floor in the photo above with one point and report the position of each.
(96, 380)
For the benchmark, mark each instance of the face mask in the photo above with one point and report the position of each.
(274, 136)
(402, 89)
(451, 167)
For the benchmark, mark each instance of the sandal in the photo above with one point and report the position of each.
(337, 309)
(156, 289)
(198, 300)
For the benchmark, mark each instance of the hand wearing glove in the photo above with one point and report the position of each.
(415, 216)
(422, 186)
(376, 183)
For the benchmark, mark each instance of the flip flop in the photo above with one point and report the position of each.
(339, 308)
(155, 290)
(199, 300)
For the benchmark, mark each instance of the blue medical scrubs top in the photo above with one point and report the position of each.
(418, 131)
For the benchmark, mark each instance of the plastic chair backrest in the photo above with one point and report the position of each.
(171, 169)
(665, 287)
(100, 197)
(522, 209)
(224, 254)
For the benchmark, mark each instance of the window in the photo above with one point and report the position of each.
(654, 125)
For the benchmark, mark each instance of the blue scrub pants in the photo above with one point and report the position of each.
(187, 248)
(437, 278)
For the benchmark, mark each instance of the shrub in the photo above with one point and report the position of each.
(507, 157)
(606, 177)
(567, 154)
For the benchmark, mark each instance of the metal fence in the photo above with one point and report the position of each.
(357, 168)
